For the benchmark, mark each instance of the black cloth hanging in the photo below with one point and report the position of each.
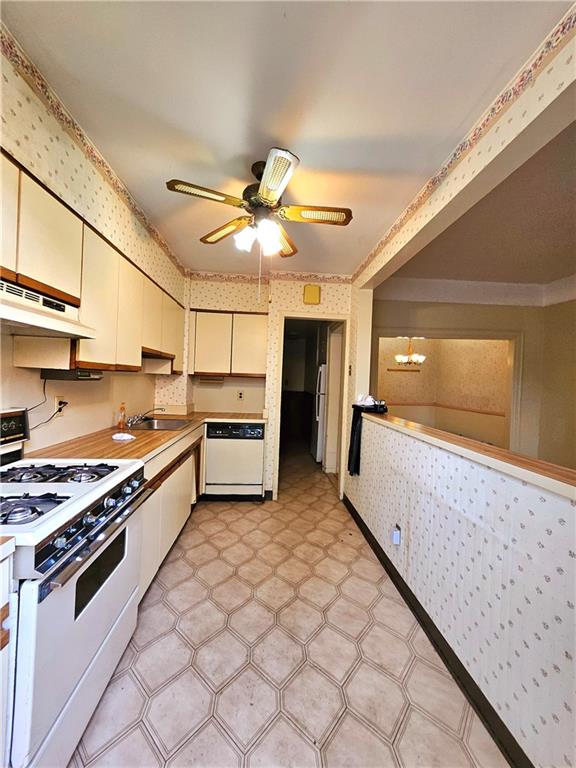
(356, 432)
(355, 441)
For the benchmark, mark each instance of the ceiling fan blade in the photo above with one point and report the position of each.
(226, 229)
(278, 171)
(288, 247)
(315, 214)
(175, 185)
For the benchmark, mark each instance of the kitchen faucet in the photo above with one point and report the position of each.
(138, 417)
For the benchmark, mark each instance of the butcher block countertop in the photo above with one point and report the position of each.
(99, 445)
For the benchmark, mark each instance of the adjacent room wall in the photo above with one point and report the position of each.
(544, 337)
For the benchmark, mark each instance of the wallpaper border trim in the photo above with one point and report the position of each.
(241, 277)
(15, 54)
(469, 687)
(517, 86)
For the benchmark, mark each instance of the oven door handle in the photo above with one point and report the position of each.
(100, 540)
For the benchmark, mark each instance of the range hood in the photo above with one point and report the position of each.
(27, 313)
(75, 374)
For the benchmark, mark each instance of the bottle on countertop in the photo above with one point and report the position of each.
(122, 417)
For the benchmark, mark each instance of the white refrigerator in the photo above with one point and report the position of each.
(319, 421)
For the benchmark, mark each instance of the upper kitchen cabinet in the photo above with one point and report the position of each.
(249, 344)
(173, 331)
(99, 306)
(10, 182)
(151, 316)
(192, 342)
(49, 244)
(213, 342)
(130, 309)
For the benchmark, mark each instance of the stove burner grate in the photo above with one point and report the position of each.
(16, 510)
(50, 473)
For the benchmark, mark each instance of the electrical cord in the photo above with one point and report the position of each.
(33, 407)
(61, 405)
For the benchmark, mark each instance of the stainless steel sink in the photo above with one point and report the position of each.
(171, 424)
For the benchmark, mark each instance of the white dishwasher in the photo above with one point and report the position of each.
(234, 459)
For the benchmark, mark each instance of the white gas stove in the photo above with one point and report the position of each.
(76, 566)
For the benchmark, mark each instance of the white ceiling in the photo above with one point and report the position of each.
(371, 96)
(523, 231)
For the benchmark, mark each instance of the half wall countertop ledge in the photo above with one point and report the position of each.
(551, 477)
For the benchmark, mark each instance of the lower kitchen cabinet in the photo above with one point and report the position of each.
(150, 558)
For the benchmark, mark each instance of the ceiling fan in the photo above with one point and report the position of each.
(262, 202)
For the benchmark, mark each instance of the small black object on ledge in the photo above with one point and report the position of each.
(356, 432)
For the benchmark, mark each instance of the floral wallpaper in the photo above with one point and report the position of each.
(492, 560)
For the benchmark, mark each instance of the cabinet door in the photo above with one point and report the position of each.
(10, 181)
(49, 243)
(130, 299)
(213, 342)
(99, 307)
(151, 316)
(249, 344)
(176, 504)
(150, 513)
(192, 343)
(173, 331)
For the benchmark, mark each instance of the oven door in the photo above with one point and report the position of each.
(64, 628)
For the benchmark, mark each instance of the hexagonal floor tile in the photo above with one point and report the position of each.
(160, 661)
(368, 569)
(302, 526)
(275, 592)
(310, 553)
(348, 617)
(353, 745)
(272, 526)
(436, 693)
(425, 649)
(246, 705)
(243, 526)
(135, 748)
(278, 655)
(175, 712)
(301, 619)
(282, 745)
(119, 708)
(173, 573)
(483, 747)
(376, 697)
(273, 553)
(185, 595)
(220, 658)
(258, 514)
(231, 594)
(313, 701)
(254, 571)
(289, 538)
(256, 539)
(388, 589)
(191, 538)
(293, 570)
(210, 527)
(332, 526)
(201, 554)
(153, 595)
(332, 570)
(333, 653)
(343, 552)
(152, 623)
(223, 539)
(209, 747)
(423, 744)
(394, 615)
(251, 621)
(320, 538)
(215, 572)
(359, 590)
(201, 622)
(386, 650)
(318, 591)
(286, 515)
(238, 553)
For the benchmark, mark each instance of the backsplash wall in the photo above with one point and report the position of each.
(93, 405)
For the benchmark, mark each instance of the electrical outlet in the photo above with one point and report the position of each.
(239, 394)
(57, 400)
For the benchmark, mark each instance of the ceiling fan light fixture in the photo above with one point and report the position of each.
(268, 235)
(244, 240)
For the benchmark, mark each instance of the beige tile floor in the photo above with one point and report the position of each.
(272, 636)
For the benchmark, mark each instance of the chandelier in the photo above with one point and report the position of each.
(411, 357)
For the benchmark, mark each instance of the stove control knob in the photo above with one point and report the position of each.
(135, 483)
(109, 502)
(59, 542)
(127, 490)
(89, 519)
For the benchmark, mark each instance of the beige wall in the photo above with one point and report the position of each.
(93, 405)
(542, 380)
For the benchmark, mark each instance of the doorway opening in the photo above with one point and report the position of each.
(312, 394)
